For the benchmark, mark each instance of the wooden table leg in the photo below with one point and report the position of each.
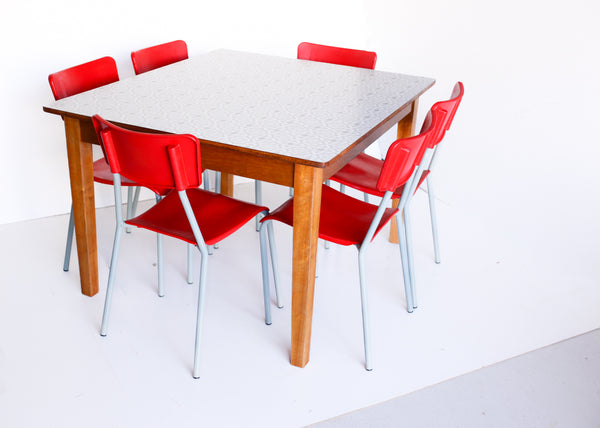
(81, 173)
(307, 207)
(227, 184)
(406, 128)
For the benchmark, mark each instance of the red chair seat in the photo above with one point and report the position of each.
(362, 173)
(344, 220)
(103, 175)
(218, 216)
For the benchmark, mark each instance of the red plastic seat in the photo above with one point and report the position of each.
(361, 173)
(187, 212)
(335, 55)
(72, 81)
(158, 56)
(349, 221)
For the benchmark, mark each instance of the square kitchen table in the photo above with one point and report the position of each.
(281, 120)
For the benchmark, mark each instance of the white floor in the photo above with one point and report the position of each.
(555, 386)
(498, 293)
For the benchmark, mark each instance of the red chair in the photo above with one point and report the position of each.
(332, 55)
(345, 220)
(335, 55)
(158, 56)
(73, 81)
(171, 165)
(363, 171)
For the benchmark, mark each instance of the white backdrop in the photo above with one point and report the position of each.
(525, 137)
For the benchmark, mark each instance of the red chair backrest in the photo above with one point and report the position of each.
(450, 107)
(83, 77)
(452, 104)
(158, 56)
(334, 55)
(155, 161)
(406, 153)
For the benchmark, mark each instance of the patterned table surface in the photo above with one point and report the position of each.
(301, 109)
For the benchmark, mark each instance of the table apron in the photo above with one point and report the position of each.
(246, 164)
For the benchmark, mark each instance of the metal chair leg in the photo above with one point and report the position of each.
(70, 230)
(206, 179)
(410, 254)
(134, 203)
(130, 190)
(264, 261)
(258, 200)
(218, 181)
(434, 227)
(274, 263)
(404, 259)
(365, 312)
(111, 279)
(200, 313)
(160, 263)
(190, 263)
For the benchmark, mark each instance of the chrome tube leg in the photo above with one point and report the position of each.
(433, 214)
(129, 206)
(365, 312)
(160, 263)
(325, 243)
(218, 181)
(70, 230)
(410, 254)
(200, 313)
(258, 200)
(111, 278)
(134, 203)
(404, 259)
(190, 263)
(274, 262)
(206, 179)
(264, 261)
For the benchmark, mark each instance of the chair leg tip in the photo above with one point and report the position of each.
(268, 323)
